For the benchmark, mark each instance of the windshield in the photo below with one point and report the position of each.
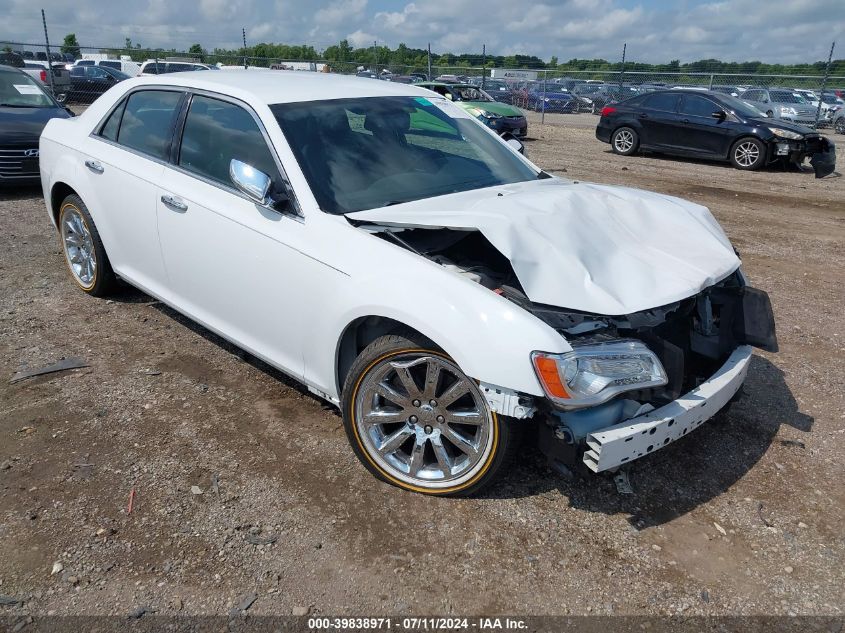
(372, 152)
(782, 96)
(20, 91)
(470, 93)
(495, 85)
(117, 74)
(741, 108)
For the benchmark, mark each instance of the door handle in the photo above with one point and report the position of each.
(94, 166)
(174, 203)
(643, 115)
(684, 120)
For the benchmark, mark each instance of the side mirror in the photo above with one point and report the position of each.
(719, 115)
(251, 181)
(514, 142)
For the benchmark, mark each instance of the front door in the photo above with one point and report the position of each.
(700, 132)
(232, 263)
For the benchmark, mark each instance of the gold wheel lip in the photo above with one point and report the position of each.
(70, 205)
(398, 482)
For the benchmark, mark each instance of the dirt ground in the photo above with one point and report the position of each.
(744, 516)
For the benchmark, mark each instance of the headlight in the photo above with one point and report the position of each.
(786, 133)
(787, 110)
(485, 114)
(546, 99)
(592, 374)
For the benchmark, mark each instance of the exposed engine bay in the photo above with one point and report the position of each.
(692, 338)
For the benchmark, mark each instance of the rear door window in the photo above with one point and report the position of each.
(111, 64)
(662, 101)
(147, 123)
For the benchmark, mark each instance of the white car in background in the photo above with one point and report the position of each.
(375, 242)
(163, 67)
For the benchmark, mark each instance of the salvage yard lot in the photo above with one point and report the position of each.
(743, 516)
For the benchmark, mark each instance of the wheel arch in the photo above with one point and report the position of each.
(358, 334)
(59, 191)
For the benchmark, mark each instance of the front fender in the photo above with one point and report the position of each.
(489, 337)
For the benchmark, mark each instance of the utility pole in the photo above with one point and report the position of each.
(429, 61)
(622, 69)
(49, 61)
(375, 57)
(243, 32)
(824, 83)
(483, 63)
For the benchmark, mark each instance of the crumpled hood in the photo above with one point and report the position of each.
(597, 248)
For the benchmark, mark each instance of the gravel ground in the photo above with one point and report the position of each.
(744, 516)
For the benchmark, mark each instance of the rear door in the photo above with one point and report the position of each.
(123, 171)
(700, 132)
(659, 120)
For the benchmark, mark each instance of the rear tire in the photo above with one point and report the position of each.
(84, 252)
(625, 141)
(748, 154)
(404, 436)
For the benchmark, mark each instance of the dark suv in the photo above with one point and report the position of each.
(710, 125)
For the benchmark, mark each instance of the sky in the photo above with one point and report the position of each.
(774, 31)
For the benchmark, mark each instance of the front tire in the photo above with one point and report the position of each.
(839, 125)
(625, 141)
(84, 252)
(416, 421)
(748, 154)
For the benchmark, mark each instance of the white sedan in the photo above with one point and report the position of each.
(381, 246)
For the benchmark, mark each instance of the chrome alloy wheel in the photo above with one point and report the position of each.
(423, 421)
(746, 154)
(624, 141)
(79, 247)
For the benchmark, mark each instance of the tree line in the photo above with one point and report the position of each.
(404, 57)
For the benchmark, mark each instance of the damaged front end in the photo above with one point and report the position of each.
(820, 150)
(632, 383)
(703, 345)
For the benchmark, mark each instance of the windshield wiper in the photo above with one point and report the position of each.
(19, 105)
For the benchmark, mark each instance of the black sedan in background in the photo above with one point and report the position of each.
(711, 125)
(89, 82)
(24, 111)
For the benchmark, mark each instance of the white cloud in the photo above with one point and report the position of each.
(732, 30)
(360, 39)
(339, 12)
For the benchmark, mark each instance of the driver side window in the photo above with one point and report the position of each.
(216, 132)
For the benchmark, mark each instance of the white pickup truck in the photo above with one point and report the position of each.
(61, 76)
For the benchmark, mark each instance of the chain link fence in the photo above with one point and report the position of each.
(83, 74)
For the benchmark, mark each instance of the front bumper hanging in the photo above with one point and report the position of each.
(616, 445)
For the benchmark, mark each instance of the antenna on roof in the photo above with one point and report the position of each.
(243, 32)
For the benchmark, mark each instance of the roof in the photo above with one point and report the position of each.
(281, 86)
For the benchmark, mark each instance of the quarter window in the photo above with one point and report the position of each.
(112, 124)
(698, 106)
(147, 124)
(663, 101)
(216, 132)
